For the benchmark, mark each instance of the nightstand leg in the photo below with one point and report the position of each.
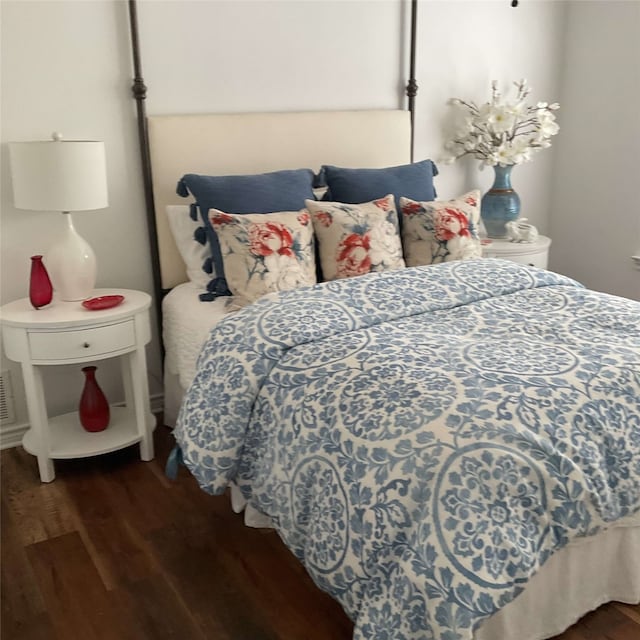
(137, 379)
(34, 392)
(46, 469)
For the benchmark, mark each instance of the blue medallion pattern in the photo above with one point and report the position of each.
(424, 439)
(500, 497)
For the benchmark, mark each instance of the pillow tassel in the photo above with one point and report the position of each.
(193, 211)
(216, 288)
(319, 179)
(200, 235)
(181, 189)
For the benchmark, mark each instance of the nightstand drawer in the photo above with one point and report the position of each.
(538, 259)
(69, 345)
(534, 254)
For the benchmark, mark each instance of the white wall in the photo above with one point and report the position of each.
(66, 66)
(596, 210)
(271, 55)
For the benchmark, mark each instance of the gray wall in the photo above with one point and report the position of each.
(596, 209)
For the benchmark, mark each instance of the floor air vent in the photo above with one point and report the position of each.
(7, 414)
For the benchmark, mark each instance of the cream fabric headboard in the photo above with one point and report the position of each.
(220, 144)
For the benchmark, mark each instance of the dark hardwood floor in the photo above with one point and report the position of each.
(113, 550)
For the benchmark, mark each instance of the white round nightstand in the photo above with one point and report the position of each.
(534, 254)
(65, 333)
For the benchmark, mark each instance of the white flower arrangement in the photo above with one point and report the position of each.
(501, 132)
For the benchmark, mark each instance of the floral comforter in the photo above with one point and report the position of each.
(424, 439)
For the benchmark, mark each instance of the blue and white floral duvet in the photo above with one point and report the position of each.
(424, 439)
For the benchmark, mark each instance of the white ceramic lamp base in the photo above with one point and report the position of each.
(71, 264)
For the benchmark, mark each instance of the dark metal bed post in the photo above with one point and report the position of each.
(140, 93)
(412, 86)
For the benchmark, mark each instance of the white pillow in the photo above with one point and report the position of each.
(192, 252)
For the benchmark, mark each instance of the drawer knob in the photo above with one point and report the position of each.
(86, 345)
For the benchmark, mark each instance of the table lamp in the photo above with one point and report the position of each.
(62, 175)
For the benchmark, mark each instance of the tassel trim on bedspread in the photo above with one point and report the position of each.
(174, 461)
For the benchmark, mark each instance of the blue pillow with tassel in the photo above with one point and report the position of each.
(260, 193)
(355, 186)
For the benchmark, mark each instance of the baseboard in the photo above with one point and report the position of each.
(11, 434)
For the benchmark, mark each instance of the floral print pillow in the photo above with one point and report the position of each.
(355, 239)
(441, 230)
(265, 252)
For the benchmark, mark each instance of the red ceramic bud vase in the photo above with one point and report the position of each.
(94, 408)
(40, 288)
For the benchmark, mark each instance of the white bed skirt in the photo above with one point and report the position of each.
(577, 579)
(173, 395)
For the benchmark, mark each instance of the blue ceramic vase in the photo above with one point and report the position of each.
(501, 204)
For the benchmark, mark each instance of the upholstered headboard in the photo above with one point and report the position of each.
(221, 144)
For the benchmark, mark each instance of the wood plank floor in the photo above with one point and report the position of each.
(113, 550)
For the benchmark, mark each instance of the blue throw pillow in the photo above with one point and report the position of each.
(355, 186)
(261, 193)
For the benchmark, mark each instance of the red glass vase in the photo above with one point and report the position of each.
(94, 408)
(40, 288)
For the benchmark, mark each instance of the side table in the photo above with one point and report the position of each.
(535, 254)
(65, 333)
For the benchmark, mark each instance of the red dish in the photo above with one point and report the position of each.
(102, 302)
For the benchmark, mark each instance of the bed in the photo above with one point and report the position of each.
(543, 347)
(452, 451)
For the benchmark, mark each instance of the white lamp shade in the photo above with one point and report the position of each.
(59, 175)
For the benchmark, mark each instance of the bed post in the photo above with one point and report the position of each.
(412, 87)
(139, 91)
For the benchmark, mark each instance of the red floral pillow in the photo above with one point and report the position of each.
(265, 252)
(441, 230)
(355, 239)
